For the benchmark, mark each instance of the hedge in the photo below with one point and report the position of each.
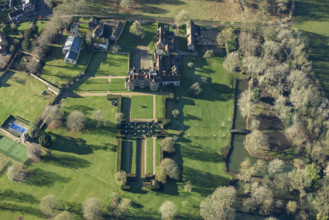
(164, 119)
(119, 154)
(119, 100)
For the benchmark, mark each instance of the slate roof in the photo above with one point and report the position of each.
(118, 29)
(76, 44)
(72, 55)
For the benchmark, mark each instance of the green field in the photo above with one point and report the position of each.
(118, 85)
(13, 149)
(104, 64)
(313, 20)
(128, 157)
(159, 107)
(57, 72)
(141, 107)
(158, 153)
(94, 84)
(20, 96)
(149, 155)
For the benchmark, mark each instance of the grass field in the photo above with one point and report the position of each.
(57, 72)
(118, 85)
(159, 108)
(13, 149)
(222, 10)
(93, 84)
(313, 19)
(128, 157)
(149, 155)
(141, 107)
(20, 96)
(104, 64)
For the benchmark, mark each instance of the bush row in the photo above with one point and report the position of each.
(119, 154)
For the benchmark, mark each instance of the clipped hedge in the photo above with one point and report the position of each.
(118, 98)
(165, 121)
(119, 154)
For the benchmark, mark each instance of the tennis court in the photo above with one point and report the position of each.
(12, 149)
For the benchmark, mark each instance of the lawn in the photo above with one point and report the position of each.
(149, 155)
(104, 64)
(182, 38)
(141, 107)
(57, 72)
(223, 10)
(128, 157)
(159, 107)
(118, 85)
(313, 20)
(20, 96)
(94, 84)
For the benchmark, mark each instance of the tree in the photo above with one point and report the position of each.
(313, 172)
(261, 199)
(49, 4)
(92, 209)
(89, 39)
(50, 205)
(137, 29)
(182, 17)
(321, 203)
(271, 48)
(248, 45)
(257, 142)
(188, 186)
(218, 205)
(282, 5)
(190, 65)
(122, 209)
(291, 207)
(168, 210)
(169, 168)
(119, 117)
(12, 49)
(275, 167)
(76, 121)
(246, 106)
(126, 3)
(232, 62)
(65, 216)
(44, 139)
(225, 37)
(121, 178)
(17, 173)
(208, 54)
(168, 145)
(99, 116)
(175, 113)
(195, 89)
(33, 152)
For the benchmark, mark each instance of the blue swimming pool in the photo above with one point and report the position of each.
(18, 128)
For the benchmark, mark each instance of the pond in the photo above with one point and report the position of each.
(238, 152)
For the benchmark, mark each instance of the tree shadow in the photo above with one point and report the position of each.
(45, 178)
(17, 196)
(68, 161)
(198, 153)
(20, 209)
(312, 10)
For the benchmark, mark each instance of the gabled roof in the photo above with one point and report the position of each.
(76, 44)
(71, 55)
(117, 29)
(99, 30)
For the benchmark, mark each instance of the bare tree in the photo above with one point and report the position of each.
(121, 177)
(33, 152)
(257, 142)
(76, 121)
(168, 145)
(175, 113)
(65, 216)
(168, 210)
(275, 167)
(248, 45)
(122, 209)
(92, 209)
(188, 186)
(50, 205)
(291, 207)
(182, 17)
(126, 3)
(232, 62)
(169, 168)
(246, 106)
(137, 29)
(261, 199)
(99, 116)
(218, 205)
(119, 117)
(17, 173)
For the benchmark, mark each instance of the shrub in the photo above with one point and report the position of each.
(12, 49)
(76, 121)
(190, 65)
(121, 178)
(65, 216)
(169, 168)
(256, 93)
(225, 152)
(175, 113)
(168, 210)
(208, 53)
(92, 209)
(26, 44)
(17, 173)
(195, 89)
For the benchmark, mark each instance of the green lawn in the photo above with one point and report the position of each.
(57, 72)
(159, 107)
(20, 96)
(94, 84)
(149, 155)
(128, 157)
(13, 149)
(141, 107)
(182, 38)
(104, 64)
(118, 85)
(313, 20)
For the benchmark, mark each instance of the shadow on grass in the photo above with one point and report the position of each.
(312, 10)
(45, 178)
(66, 161)
(17, 196)
(20, 209)
(199, 153)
